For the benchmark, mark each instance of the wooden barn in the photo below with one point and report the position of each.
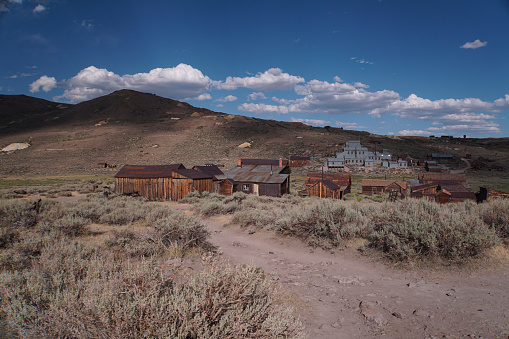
(299, 161)
(161, 182)
(261, 177)
(375, 186)
(327, 185)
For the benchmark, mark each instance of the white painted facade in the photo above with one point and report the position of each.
(355, 154)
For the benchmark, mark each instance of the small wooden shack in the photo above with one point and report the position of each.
(299, 161)
(327, 185)
(161, 182)
(221, 184)
(324, 189)
(374, 186)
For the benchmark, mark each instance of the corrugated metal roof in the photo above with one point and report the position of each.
(256, 174)
(148, 171)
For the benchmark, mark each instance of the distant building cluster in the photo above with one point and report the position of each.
(357, 155)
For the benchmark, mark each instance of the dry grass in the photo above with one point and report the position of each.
(70, 276)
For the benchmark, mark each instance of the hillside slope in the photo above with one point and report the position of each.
(139, 128)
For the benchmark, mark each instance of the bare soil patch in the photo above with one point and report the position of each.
(346, 295)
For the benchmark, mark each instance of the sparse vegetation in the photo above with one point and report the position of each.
(57, 283)
(405, 230)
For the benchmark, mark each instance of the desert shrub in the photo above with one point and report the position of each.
(70, 225)
(179, 232)
(323, 222)
(17, 213)
(71, 291)
(413, 229)
(8, 236)
(495, 213)
(132, 244)
(20, 254)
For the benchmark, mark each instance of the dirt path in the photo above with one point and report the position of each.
(345, 295)
(463, 169)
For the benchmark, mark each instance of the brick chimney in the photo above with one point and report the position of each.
(239, 163)
(280, 162)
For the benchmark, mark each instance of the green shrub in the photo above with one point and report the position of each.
(495, 213)
(414, 229)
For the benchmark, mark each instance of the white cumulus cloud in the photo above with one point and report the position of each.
(256, 95)
(474, 44)
(228, 98)
(262, 108)
(39, 8)
(312, 122)
(271, 80)
(45, 83)
(180, 82)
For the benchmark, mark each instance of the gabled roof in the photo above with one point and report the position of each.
(212, 170)
(338, 179)
(148, 171)
(193, 174)
(257, 174)
(383, 183)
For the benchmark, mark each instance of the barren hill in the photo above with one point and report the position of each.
(139, 128)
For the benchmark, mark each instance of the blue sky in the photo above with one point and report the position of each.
(399, 67)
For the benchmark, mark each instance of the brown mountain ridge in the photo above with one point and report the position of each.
(140, 128)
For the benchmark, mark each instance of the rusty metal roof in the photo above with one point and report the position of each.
(442, 177)
(338, 179)
(148, 171)
(257, 174)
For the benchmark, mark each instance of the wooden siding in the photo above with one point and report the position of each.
(225, 187)
(322, 191)
(162, 188)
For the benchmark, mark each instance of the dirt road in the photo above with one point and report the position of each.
(346, 295)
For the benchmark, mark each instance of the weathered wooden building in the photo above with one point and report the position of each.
(376, 186)
(323, 189)
(299, 161)
(443, 191)
(221, 184)
(327, 185)
(161, 182)
(260, 177)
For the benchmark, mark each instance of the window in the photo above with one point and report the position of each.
(373, 190)
(246, 187)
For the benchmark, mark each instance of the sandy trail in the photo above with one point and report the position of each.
(346, 295)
